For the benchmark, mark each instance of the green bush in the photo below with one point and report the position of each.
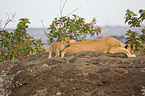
(74, 28)
(137, 41)
(18, 44)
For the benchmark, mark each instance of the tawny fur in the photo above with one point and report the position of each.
(59, 47)
(106, 44)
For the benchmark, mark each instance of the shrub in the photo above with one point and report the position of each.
(137, 41)
(18, 44)
(74, 28)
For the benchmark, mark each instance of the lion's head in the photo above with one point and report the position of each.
(66, 41)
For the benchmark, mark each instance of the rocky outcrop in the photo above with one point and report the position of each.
(79, 74)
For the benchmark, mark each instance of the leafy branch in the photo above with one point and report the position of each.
(74, 28)
(135, 21)
(18, 44)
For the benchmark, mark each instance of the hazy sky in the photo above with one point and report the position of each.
(107, 12)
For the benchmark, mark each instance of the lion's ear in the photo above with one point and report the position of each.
(128, 46)
(63, 39)
(66, 39)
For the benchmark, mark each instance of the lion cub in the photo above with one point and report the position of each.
(59, 47)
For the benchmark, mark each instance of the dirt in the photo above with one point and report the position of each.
(78, 74)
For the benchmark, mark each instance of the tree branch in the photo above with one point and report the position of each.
(142, 24)
(73, 11)
(60, 8)
(9, 20)
(63, 7)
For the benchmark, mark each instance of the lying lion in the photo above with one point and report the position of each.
(59, 47)
(106, 44)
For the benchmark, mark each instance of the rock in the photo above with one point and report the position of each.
(79, 74)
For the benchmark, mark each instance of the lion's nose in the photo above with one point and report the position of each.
(68, 45)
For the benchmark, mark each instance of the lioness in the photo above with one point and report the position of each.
(106, 44)
(59, 47)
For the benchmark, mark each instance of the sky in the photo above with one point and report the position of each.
(106, 12)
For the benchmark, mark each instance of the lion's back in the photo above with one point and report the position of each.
(103, 44)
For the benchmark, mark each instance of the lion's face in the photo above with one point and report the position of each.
(127, 46)
(66, 41)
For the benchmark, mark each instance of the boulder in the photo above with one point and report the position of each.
(79, 74)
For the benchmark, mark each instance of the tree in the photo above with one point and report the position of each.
(134, 21)
(18, 44)
(75, 28)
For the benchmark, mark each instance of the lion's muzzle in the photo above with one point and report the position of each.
(67, 45)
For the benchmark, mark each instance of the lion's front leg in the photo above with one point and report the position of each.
(50, 54)
(57, 53)
(62, 54)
